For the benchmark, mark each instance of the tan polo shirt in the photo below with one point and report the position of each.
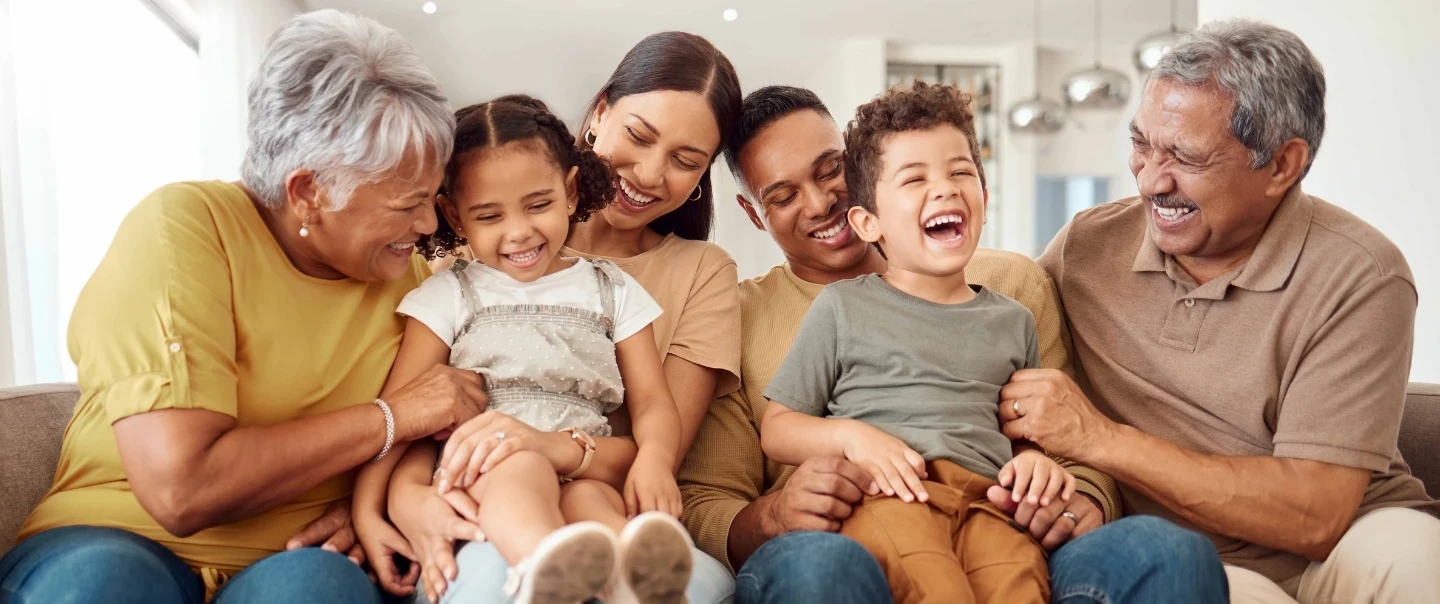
(1304, 352)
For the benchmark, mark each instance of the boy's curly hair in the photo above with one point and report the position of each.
(921, 106)
(512, 118)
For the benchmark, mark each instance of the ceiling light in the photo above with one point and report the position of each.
(730, 14)
(428, 7)
(1096, 87)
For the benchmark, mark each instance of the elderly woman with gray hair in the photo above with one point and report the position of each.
(232, 344)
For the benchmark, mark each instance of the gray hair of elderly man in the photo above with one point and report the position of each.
(1277, 85)
(343, 96)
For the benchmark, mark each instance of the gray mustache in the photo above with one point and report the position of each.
(1172, 201)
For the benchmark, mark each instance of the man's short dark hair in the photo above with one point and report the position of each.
(762, 108)
(921, 106)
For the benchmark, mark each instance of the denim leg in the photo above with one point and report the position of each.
(96, 564)
(811, 567)
(1138, 559)
(308, 574)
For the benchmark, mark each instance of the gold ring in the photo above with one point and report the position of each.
(1015, 405)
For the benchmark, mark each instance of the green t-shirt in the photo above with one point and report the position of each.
(929, 374)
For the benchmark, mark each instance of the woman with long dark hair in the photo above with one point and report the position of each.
(660, 120)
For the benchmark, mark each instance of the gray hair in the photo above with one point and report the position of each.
(1276, 83)
(344, 96)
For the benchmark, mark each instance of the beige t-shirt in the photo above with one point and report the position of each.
(695, 282)
(1304, 352)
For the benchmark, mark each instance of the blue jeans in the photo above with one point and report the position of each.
(98, 564)
(1138, 559)
(811, 567)
(481, 579)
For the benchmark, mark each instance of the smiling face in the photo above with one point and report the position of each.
(1205, 199)
(513, 204)
(794, 170)
(930, 205)
(373, 237)
(659, 144)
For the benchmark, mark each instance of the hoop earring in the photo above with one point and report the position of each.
(305, 227)
(589, 137)
(698, 192)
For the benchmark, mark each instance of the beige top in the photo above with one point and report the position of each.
(726, 469)
(694, 282)
(1304, 352)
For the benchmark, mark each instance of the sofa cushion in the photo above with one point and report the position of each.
(1420, 435)
(32, 422)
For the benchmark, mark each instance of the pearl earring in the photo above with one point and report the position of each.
(305, 227)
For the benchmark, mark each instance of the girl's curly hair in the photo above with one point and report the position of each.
(508, 119)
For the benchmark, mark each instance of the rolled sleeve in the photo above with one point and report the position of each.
(154, 328)
(708, 332)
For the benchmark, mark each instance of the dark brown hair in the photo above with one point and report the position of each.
(518, 117)
(680, 62)
(921, 106)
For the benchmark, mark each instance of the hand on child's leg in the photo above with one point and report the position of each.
(381, 542)
(897, 469)
(519, 503)
(1037, 478)
(650, 486)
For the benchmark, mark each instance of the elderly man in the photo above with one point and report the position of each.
(775, 523)
(1243, 347)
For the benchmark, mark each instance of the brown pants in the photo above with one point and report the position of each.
(956, 548)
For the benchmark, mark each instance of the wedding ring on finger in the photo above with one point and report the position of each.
(1071, 515)
(1015, 406)
(500, 436)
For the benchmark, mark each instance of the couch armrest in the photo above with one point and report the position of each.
(1420, 434)
(32, 425)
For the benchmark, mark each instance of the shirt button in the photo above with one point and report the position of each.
(174, 347)
(1189, 302)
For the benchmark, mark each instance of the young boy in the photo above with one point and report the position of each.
(901, 372)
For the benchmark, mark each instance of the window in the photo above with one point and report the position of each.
(1060, 198)
(106, 101)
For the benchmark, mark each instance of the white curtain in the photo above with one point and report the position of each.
(232, 38)
(100, 103)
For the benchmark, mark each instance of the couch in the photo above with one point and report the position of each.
(33, 418)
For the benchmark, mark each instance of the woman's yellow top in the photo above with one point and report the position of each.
(195, 306)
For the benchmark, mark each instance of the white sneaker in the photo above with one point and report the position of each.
(570, 565)
(655, 561)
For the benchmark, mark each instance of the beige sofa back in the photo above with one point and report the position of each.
(33, 418)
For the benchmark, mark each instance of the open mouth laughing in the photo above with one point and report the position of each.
(946, 228)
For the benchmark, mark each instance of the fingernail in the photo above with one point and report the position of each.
(329, 548)
(479, 535)
(444, 486)
(291, 545)
(450, 574)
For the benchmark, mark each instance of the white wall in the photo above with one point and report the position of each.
(1382, 139)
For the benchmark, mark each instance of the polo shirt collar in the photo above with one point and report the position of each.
(1274, 259)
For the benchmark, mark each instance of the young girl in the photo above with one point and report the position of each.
(561, 342)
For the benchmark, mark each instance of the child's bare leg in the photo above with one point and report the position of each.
(587, 499)
(519, 504)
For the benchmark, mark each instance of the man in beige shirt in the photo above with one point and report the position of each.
(775, 524)
(1243, 348)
